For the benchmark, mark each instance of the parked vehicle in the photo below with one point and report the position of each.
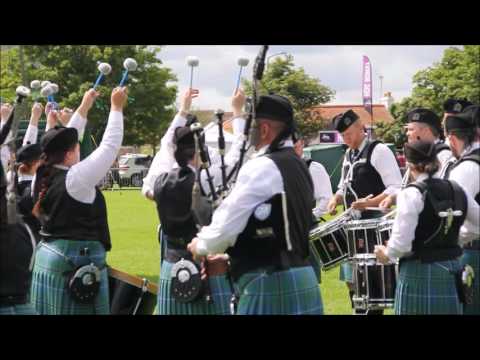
(132, 168)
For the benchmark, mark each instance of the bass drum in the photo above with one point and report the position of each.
(131, 295)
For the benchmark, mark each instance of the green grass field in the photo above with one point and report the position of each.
(133, 225)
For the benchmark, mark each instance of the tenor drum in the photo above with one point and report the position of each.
(328, 243)
(131, 295)
(363, 235)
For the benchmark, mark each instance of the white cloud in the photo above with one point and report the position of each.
(336, 66)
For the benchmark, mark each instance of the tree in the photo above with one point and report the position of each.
(457, 75)
(301, 89)
(74, 69)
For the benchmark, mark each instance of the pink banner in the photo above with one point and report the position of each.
(367, 84)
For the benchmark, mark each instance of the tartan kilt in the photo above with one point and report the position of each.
(290, 292)
(167, 305)
(49, 294)
(346, 272)
(424, 289)
(22, 309)
(472, 258)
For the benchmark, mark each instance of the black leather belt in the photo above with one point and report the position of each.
(474, 245)
(13, 300)
(174, 255)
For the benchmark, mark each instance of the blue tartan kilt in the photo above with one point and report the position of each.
(424, 289)
(49, 293)
(346, 272)
(316, 265)
(290, 292)
(167, 305)
(23, 309)
(472, 258)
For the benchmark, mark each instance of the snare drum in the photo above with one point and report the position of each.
(131, 295)
(328, 243)
(363, 235)
(375, 283)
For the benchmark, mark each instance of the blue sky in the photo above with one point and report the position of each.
(339, 67)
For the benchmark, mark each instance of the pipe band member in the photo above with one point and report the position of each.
(174, 171)
(322, 189)
(264, 223)
(369, 168)
(17, 249)
(73, 215)
(425, 237)
(460, 131)
(28, 160)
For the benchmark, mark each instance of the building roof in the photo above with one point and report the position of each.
(328, 112)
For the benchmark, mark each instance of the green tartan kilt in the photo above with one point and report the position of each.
(167, 305)
(346, 272)
(49, 294)
(290, 292)
(23, 309)
(424, 289)
(472, 258)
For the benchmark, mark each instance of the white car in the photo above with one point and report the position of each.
(133, 168)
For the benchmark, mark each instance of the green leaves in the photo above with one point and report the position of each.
(281, 77)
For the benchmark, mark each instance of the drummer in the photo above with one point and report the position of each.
(461, 132)
(425, 236)
(369, 174)
(73, 215)
(424, 124)
(322, 189)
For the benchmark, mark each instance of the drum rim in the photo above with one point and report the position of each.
(132, 280)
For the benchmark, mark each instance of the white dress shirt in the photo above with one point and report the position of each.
(410, 204)
(83, 177)
(30, 135)
(384, 162)
(4, 151)
(258, 180)
(322, 187)
(164, 160)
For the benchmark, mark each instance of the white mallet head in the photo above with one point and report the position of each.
(192, 61)
(130, 64)
(45, 83)
(35, 84)
(54, 88)
(104, 68)
(242, 62)
(22, 91)
(46, 91)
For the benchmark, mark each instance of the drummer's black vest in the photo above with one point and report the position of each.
(475, 157)
(63, 217)
(25, 205)
(433, 242)
(15, 256)
(365, 180)
(263, 242)
(173, 196)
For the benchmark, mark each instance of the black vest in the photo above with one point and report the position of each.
(173, 196)
(16, 250)
(432, 242)
(63, 217)
(263, 242)
(475, 157)
(25, 205)
(365, 180)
